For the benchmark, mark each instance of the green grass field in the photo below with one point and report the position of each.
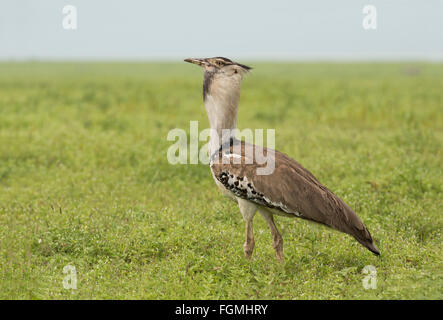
(84, 180)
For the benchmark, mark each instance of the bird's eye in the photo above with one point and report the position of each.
(220, 63)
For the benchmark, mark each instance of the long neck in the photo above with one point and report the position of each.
(221, 103)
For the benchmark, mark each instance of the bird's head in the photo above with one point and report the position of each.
(220, 65)
(220, 73)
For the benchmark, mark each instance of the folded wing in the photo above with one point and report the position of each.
(290, 188)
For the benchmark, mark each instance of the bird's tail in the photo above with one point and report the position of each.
(355, 227)
(348, 222)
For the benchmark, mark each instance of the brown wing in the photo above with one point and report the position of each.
(289, 188)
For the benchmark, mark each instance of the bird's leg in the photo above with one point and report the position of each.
(248, 246)
(248, 210)
(277, 239)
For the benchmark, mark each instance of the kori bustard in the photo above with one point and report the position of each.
(289, 190)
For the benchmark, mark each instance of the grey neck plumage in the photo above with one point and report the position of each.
(221, 95)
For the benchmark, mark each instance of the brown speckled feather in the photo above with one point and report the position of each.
(290, 188)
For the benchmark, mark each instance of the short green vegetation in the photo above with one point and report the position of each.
(84, 181)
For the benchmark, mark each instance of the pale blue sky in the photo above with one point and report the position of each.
(167, 30)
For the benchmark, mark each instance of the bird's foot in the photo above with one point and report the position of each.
(248, 248)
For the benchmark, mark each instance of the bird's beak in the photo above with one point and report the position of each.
(200, 62)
